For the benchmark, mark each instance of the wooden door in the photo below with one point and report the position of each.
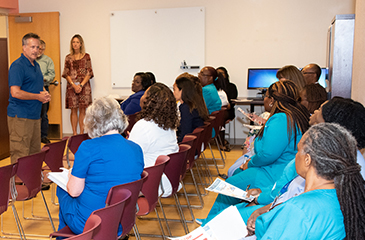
(46, 25)
(4, 96)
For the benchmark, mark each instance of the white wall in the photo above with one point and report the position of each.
(239, 33)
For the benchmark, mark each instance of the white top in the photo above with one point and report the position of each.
(223, 96)
(153, 140)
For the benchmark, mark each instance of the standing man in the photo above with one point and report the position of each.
(25, 100)
(47, 68)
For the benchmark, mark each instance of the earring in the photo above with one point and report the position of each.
(270, 104)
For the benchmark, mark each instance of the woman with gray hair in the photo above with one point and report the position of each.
(104, 161)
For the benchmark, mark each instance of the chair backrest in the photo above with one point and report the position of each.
(110, 217)
(148, 201)
(128, 218)
(174, 167)
(92, 225)
(75, 141)
(54, 156)
(6, 173)
(199, 133)
(30, 172)
(216, 123)
(131, 122)
(191, 141)
(208, 132)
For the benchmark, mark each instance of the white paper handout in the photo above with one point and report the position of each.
(226, 225)
(60, 178)
(222, 187)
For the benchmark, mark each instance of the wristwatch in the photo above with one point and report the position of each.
(81, 85)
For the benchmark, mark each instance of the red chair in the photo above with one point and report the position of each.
(92, 225)
(173, 171)
(192, 141)
(128, 218)
(6, 174)
(110, 219)
(148, 201)
(73, 145)
(30, 173)
(54, 161)
(131, 122)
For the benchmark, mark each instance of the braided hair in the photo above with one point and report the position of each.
(285, 95)
(334, 156)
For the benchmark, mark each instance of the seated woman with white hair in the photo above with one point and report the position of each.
(104, 161)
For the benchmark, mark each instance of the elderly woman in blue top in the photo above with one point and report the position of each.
(275, 145)
(140, 83)
(333, 203)
(102, 162)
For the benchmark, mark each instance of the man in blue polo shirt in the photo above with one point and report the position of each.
(25, 100)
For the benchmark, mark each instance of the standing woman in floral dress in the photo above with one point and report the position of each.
(78, 72)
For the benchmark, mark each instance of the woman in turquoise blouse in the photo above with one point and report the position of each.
(275, 144)
(333, 203)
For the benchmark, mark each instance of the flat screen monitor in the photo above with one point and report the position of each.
(259, 78)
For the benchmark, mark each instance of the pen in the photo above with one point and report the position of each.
(248, 187)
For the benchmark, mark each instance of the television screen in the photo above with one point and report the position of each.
(263, 77)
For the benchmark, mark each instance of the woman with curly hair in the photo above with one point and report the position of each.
(155, 129)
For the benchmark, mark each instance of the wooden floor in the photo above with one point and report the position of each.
(43, 227)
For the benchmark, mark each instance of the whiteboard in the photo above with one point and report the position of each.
(158, 41)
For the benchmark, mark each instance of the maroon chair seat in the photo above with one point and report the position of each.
(128, 218)
(110, 219)
(92, 225)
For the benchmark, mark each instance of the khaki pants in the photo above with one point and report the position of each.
(25, 137)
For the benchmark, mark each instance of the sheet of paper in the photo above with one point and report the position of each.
(60, 178)
(222, 187)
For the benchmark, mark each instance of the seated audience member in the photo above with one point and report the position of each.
(249, 149)
(139, 85)
(102, 162)
(275, 145)
(193, 112)
(155, 129)
(207, 76)
(312, 96)
(232, 92)
(343, 111)
(152, 77)
(333, 198)
(292, 73)
(311, 73)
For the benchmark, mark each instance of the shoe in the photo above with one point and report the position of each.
(199, 221)
(222, 175)
(45, 187)
(45, 140)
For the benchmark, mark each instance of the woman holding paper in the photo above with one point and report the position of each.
(275, 145)
(333, 198)
(102, 162)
